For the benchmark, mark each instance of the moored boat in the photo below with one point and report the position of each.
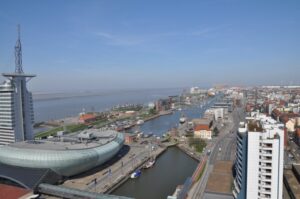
(136, 174)
(182, 120)
(139, 122)
(149, 164)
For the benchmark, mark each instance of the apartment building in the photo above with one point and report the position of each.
(259, 158)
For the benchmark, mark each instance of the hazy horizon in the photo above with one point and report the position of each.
(79, 45)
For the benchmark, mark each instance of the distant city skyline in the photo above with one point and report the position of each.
(89, 45)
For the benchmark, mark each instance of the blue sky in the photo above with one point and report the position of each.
(80, 45)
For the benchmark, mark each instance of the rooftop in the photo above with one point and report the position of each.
(200, 127)
(94, 138)
(254, 126)
(259, 122)
(12, 192)
(203, 121)
(222, 170)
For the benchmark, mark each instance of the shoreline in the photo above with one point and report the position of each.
(52, 124)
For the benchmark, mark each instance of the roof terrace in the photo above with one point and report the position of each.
(74, 141)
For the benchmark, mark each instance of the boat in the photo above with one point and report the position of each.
(149, 164)
(140, 122)
(182, 119)
(136, 174)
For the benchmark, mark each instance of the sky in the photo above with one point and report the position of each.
(117, 44)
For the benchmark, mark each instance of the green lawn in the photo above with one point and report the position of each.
(70, 129)
(201, 173)
(197, 143)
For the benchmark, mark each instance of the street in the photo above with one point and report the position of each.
(222, 148)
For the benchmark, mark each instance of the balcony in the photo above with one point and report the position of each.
(265, 159)
(236, 187)
(266, 144)
(265, 191)
(265, 171)
(240, 152)
(239, 172)
(239, 139)
(261, 164)
(239, 179)
(266, 185)
(265, 152)
(239, 165)
(265, 178)
(264, 196)
(234, 194)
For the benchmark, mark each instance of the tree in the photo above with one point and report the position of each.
(152, 111)
(216, 131)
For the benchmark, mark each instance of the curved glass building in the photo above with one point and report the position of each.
(66, 155)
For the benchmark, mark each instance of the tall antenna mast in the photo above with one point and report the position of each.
(18, 53)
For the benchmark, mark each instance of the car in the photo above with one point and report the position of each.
(208, 152)
(290, 155)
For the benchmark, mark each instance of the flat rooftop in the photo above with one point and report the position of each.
(259, 122)
(254, 126)
(220, 180)
(72, 141)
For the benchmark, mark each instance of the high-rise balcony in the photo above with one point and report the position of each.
(236, 187)
(263, 196)
(266, 185)
(234, 193)
(265, 178)
(265, 153)
(264, 145)
(265, 159)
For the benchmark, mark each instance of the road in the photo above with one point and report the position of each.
(224, 142)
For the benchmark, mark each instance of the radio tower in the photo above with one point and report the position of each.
(18, 53)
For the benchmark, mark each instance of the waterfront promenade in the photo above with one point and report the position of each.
(110, 175)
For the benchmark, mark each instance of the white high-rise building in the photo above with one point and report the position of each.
(259, 158)
(16, 108)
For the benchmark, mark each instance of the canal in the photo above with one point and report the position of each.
(163, 124)
(171, 169)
